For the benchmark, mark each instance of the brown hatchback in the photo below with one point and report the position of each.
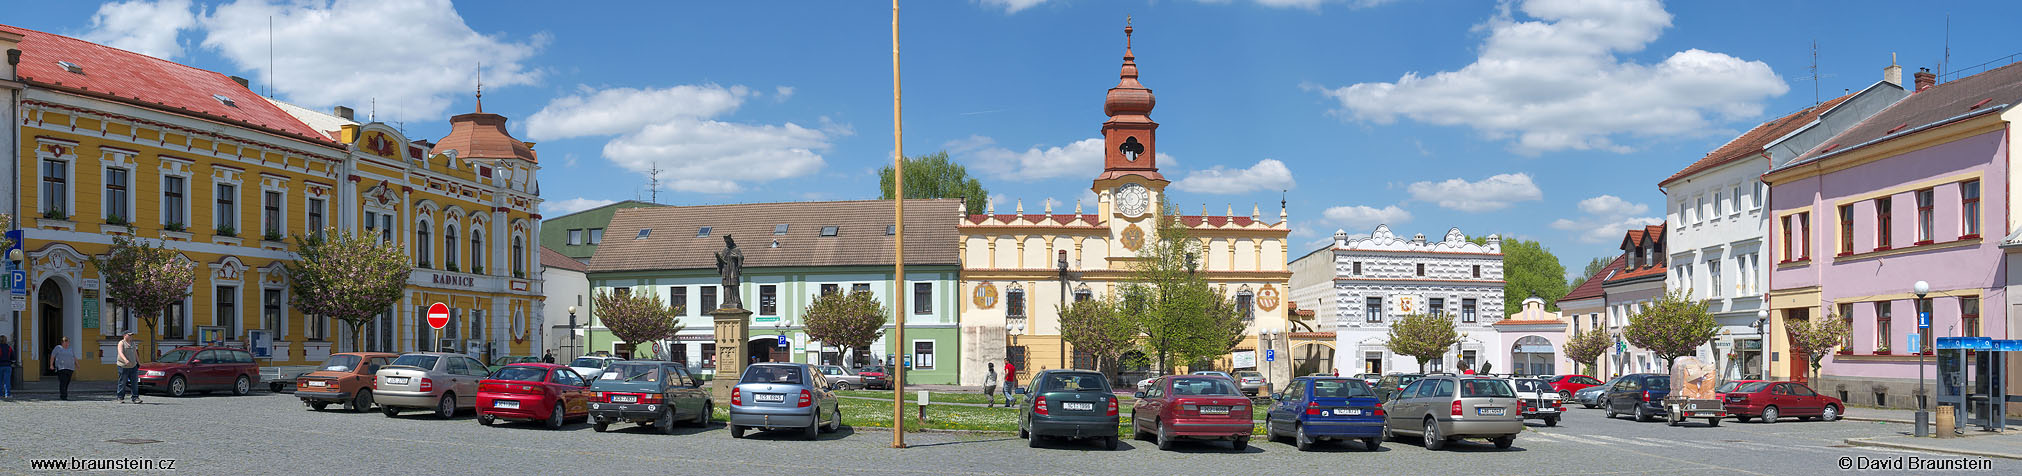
(343, 379)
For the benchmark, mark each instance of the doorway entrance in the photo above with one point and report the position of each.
(49, 306)
(768, 350)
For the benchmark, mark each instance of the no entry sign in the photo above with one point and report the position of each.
(438, 315)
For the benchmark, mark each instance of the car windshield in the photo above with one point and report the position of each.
(1341, 388)
(1202, 386)
(781, 374)
(1481, 387)
(176, 356)
(342, 363)
(417, 360)
(1658, 383)
(1727, 387)
(1071, 382)
(1403, 380)
(632, 373)
(520, 373)
(1530, 385)
(589, 362)
(1752, 387)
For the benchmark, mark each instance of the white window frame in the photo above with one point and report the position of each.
(913, 351)
(309, 205)
(238, 199)
(162, 186)
(1713, 277)
(117, 159)
(1736, 198)
(70, 181)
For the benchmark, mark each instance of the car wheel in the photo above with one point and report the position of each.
(1504, 443)
(242, 387)
(1641, 415)
(486, 420)
(1769, 414)
(666, 422)
(1742, 418)
(1565, 396)
(1433, 441)
(1033, 442)
(1240, 444)
(446, 408)
(1300, 440)
(178, 387)
(1831, 413)
(1023, 433)
(736, 432)
(389, 411)
(708, 415)
(1712, 422)
(843, 386)
(274, 387)
(1387, 434)
(318, 406)
(813, 432)
(1109, 444)
(1611, 412)
(1551, 421)
(362, 401)
(1165, 438)
(600, 425)
(1372, 444)
(836, 423)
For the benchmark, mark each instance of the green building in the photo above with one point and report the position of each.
(793, 253)
(576, 235)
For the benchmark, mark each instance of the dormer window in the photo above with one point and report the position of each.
(779, 229)
(224, 100)
(830, 230)
(702, 232)
(71, 67)
(643, 233)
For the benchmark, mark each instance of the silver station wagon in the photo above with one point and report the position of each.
(1446, 408)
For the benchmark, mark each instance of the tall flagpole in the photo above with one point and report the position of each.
(898, 248)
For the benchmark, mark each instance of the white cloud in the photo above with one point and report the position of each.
(709, 156)
(1605, 218)
(564, 207)
(1490, 194)
(411, 56)
(1082, 158)
(1012, 6)
(1267, 174)
(1555, 82)
(781, 93)
(619, 110)
(1358, 217)
(142, 26)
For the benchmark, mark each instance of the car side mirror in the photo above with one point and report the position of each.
(1138, 395)
(1277, 396)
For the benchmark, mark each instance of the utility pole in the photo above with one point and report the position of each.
(898, 247)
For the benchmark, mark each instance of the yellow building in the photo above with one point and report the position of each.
(116, 143)
(1012, 264)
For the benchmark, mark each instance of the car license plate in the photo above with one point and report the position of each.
(624, 399)
(1077, 405)
(505, 404)
(1349, 412)
(1215, 409)
(396, 380)
(1487, 411)
(770, 397)
(319, 383)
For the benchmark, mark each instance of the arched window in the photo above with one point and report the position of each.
(449, 247)
(421, 249)
(476, 250)
(519, 258)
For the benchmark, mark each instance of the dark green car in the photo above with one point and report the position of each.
(1072, 404)
(658, 394)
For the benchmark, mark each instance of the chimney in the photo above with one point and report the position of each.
(1925, 79)
(1894, 73)
(242, 82)
(341, 111)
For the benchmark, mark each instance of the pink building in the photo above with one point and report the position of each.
(1918, 191)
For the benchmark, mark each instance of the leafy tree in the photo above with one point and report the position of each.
(6, 223)
(1593, 267)
(1184, 318)
(1528, 268)
(145, 276)
(845, 320)
(348, 277)
(1585, 347)
(1097, 326)
(1673, 326)
(637, 317)
(1818, 337)
(934, 176)
(1422, 336)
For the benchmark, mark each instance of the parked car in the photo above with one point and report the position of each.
(1392, 383)
(343, 379)
(1590, 397)
(1192, 407)
(515, 359)
(1145, 385)
(1442, 409)
(590, 366)
(876, 377)
(1251, 382)
(1640, 395)
(774, 396)
(1370, 379)
(1315, 409)
(1567, 385)
(200, 369)
(1216, 373)
(441, 382)
(547, 393)
(1074, 404)
(1539, 402)
(651, 393)
(1729, 386)
(843, 378)
(1771, 401)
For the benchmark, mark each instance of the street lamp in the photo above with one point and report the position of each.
(1923, 326)
(1762, 330)
(572, 334)
(1061, 264)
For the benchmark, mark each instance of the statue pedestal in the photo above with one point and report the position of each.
(732, 327)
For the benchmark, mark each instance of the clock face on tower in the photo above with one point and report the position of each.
(1132, 199)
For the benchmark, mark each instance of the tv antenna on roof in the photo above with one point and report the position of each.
(1815, 78)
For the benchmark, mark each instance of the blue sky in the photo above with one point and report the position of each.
(1546, 120)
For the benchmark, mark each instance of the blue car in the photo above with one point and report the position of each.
(1314, 409)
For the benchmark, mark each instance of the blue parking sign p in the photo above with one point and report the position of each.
(1270, 355)
(17, 282)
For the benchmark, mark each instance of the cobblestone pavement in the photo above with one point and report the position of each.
(275, 434)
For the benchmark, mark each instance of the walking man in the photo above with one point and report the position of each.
(129, 369)
(1010, 384)
(990, 385)
(63, 360)
(6, 369)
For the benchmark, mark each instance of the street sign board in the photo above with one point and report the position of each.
(1915, 343)
(783, 342)
(1270, 355)
(438, 315)
(17, 282)
(1924, 320)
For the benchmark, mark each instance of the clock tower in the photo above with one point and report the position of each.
(1130, 186)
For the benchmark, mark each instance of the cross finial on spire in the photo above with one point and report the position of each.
(480, 87)
(1126, 32)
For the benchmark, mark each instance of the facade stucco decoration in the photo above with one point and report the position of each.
(1362, 284)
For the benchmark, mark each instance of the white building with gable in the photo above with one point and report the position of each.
(1364, 284)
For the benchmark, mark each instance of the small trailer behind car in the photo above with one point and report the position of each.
(279, 378)
(1692, 393)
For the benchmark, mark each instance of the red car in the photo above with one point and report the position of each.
(1201, 407)
(201, 369)
(1566, 385)
(1720, 392)
(549, 393)
(1774, 400)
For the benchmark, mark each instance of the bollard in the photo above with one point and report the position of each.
(1945, 421)
(923, 406)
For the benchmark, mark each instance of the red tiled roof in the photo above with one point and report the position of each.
(1942, 103)
(550, 257)
(482, 135)
(1751, 143)
(150, 82)
(1215, 220)
(1592, 287)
